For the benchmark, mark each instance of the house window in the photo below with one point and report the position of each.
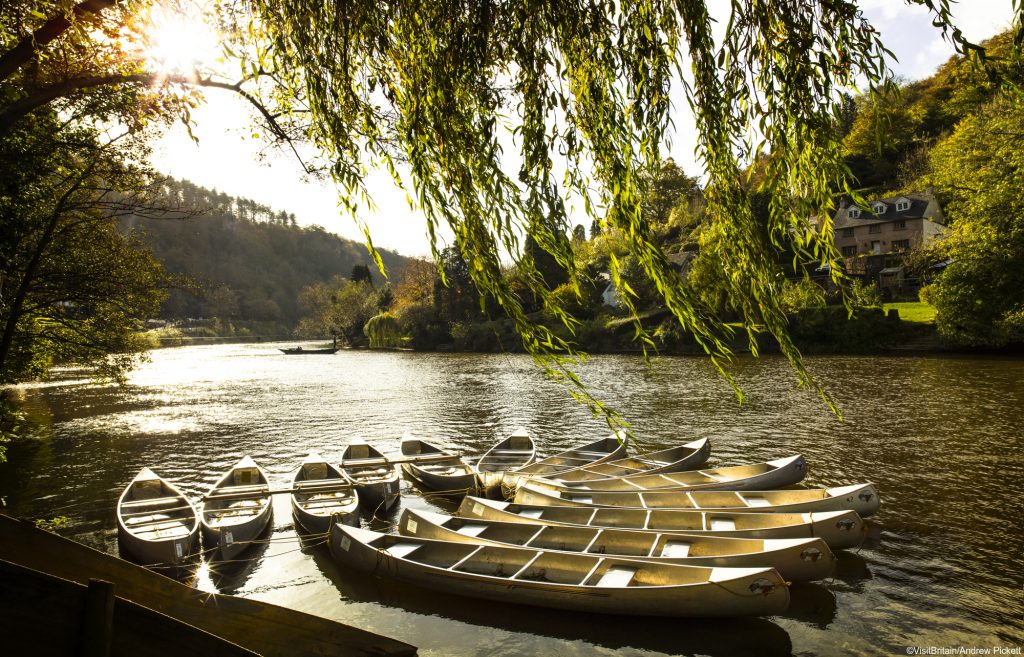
(901, 245)
(849, 251)
(875, 228)
(847, 232)
(902, 206)
(900, 225)
(853, 213)
(878, 208)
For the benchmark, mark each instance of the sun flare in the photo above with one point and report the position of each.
(179, 41)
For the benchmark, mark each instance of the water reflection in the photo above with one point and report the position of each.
(940, 564)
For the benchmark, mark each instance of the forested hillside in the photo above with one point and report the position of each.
(243, 261)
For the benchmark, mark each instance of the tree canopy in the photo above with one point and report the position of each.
(429, 90)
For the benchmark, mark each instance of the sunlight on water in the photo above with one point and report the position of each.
(939, 436)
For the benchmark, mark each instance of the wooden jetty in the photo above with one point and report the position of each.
(253, 627)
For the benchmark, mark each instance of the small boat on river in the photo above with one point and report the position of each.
(862, 498)
(321, 492)
(562, 580)
(839, 529)
(302, 351)
(156, 524)
(373, 475)
(436, 469)
(796, 559)
(513, 453)
(599, 451)
(674, 459)
(756, 476)
(237, 510)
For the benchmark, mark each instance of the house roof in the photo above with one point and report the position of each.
(922, 205)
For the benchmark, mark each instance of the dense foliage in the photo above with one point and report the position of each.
(247, 262)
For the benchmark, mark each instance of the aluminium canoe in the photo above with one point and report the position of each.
(373, 475)
(237, 509)
(862, 498)
(321, 492)
(674, 459)
(755, 476)
(513, 453)
(562, 580)
(839, 529)
(156, 524)
(599, 451)
(796, 559)
(441, 471)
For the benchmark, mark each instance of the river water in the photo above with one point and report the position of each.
(943, 564)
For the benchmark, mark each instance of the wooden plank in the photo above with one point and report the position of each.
(98, 619)
(263, 628)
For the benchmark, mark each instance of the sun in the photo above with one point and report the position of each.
(179, 41)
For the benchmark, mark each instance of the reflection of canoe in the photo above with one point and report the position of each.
(797, 559)
(756, 476)
(436, 472)
(862, 498)
(515, 452)
(562, 580)
(840, 529)
(156, 523)
(598, 451)
(321, 491)
(299, 351)
(673, 459)
(237, 509)
(372, 474)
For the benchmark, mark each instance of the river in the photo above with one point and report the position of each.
(943, 564)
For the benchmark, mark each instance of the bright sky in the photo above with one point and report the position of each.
(226, 157)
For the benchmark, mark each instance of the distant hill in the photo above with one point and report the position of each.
(247, 261)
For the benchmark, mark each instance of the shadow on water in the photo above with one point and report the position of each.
(812, 604)
(737, 637)
(851, 568)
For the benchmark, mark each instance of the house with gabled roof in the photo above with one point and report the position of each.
(897, 224)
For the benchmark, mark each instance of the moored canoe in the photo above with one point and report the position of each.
(321, 492)
(156, 524)
(436, 472)
(674, 459)
(596, 452)
(515, 452)
(862, 498)
(839, 529)
(579, 582)
(796, 559)
(373, 475)
(237, 510)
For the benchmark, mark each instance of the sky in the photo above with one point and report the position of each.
(226, 156)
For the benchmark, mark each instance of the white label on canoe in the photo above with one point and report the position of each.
(179, 550)
(346, 542)
(676, 549)
(411, 525)
(723, 524)
(531, 513)
(757, 501)
(478, 509)
(527, 498)
(617, 576)
(228, 538)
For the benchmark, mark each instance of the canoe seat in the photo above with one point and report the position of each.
(317, 483)
(245, 476)
(471, 530)
(511, 452)
(531, 513)
(756, 501)
(153, 501)
(723, 524)
(676, 549)
(238, 490)
(314, 471)
(617, 577)
(402, 550)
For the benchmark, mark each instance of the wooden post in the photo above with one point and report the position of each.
(98, 619)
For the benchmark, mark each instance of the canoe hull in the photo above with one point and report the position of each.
(156, 524)
(795, 559)
(860, 498)
(232, 540)
(675, 459)
(175, 553)
(237, 510)
(782, 473)
(739, 595)
(442, 483)
(839, 529)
